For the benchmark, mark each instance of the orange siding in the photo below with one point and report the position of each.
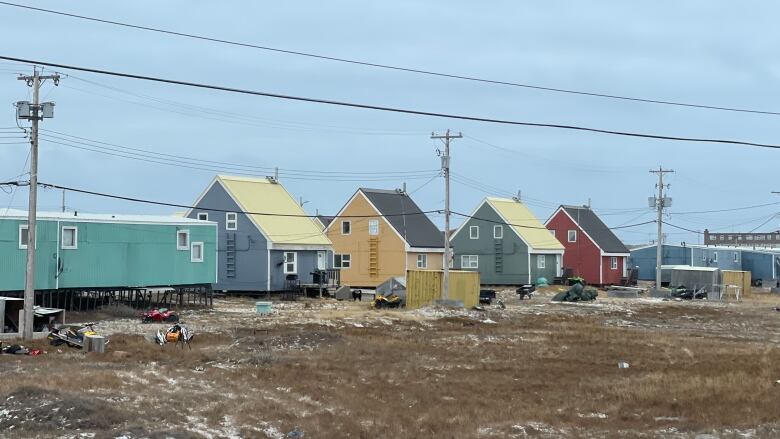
(391, 249)
(435, 260)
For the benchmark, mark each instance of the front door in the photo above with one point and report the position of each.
(322, 262)
(557, 265)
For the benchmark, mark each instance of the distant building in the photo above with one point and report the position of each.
(379, 234)
(77, 250)
(592, 250)
(265, 237)
(507, 244)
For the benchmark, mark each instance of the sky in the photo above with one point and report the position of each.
(716, 53)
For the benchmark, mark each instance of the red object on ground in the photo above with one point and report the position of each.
(160, 315)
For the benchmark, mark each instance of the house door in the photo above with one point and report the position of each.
(322, 262)
(557, 265)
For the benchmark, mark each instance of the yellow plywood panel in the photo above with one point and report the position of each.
(425, 286)
(525, 223)
(263, 196)
(741, 279)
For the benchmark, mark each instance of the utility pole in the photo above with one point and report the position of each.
(445, 168)
(660, 204)
(63, 201)
(33, 112)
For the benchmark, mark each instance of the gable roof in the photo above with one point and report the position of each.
(415, 227)
(264, 196)
(324, 220)
(524, 223)
(592, 225)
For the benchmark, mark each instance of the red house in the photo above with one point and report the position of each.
(593, 252)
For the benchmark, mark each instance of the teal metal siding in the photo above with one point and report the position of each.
(501, 261)
(547, 272)
(108, 255)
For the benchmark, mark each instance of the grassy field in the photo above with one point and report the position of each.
(328, 369)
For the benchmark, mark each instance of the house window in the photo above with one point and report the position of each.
(498, 232)
(203, 216)
(422, 261)
(469, 261)
(613, 263)
(342, 261)
(196, 252)
(736, 257)
(552, 232)
(714, 256)
(290, 263)
(540, 261)
(70, 238)
(572, 236)
(182, 239)
(373, 227)
(474, 232)
(231, 221)
(24, 236)
(346, 227)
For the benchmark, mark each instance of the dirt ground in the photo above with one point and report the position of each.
(327, 369)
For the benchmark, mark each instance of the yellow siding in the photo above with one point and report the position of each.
(262, 196)
(425, 286)
(390, 248)
(435, 260)
(525, 223)
(739, 278)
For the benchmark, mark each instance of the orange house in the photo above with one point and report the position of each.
(380, 234)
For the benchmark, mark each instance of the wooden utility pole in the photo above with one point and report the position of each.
(34, 113)
(660, 204)
(445, 168)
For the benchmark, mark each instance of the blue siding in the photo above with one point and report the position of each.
(728, 259)
(251, 254)
(645, 259)
(307, 263)
(760, 265)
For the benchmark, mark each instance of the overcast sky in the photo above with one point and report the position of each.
(708, 52)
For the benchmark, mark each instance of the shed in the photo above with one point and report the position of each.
(426, 286)
(695, 277)
(738, 278)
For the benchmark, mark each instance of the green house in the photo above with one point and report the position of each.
(76, 250)
(507, 244)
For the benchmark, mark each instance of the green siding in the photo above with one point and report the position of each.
(108, 255)
(549, 267)
(514, 251)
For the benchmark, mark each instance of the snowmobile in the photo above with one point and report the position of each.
(70, 335)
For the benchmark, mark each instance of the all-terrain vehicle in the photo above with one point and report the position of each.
(159, 315)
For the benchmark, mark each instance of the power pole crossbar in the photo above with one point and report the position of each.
(445, 168)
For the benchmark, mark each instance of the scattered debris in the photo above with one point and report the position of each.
(295, 433)
(623, 365)
(16, 349)
(177, 334)
(391, 301)
(72, 336)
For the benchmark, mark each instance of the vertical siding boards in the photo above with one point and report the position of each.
(762, 265)
(425, 286)
(109, 253)
(739, 278)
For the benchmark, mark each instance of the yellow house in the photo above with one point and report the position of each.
(380, 234)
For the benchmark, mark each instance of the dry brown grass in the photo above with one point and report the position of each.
(551, 374)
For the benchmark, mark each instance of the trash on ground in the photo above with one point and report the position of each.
(684, 293)
(391, 301)
(486, 297)
(526, 291)
(623, 365)
(73, 336)
(577, 293)
(177, 334)
(16, 349)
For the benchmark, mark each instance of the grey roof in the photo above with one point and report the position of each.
(325, 220)
(414, 226)
(591, 224)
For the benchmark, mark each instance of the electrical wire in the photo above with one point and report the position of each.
(396, 68)
(726, 210)
(395, 109)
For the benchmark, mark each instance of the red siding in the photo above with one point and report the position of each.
(612, 276)
(583, 256)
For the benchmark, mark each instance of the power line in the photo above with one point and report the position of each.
(394, 109)
(544, 228)
(184, 206)
(726, 210)
(396, 68)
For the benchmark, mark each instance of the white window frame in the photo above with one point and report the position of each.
(192, 252)
(349, 226)
(24, 246)
(422, 261)
(179, 246)
(286, 263)
(203, 216)
(75, 245)
(498, 231)
(570, 234)
(541, 262)
(341, 260)
(373, 224)
(613, 263)
(229, 221)
(473, 235)
(469, 261)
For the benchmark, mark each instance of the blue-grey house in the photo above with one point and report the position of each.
(265, 238)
